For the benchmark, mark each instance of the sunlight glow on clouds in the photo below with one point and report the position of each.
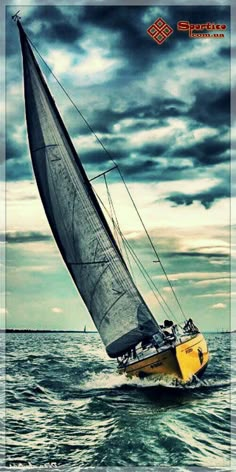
(216, 295)
(219, 305)
(211, 276)
(56, 310)
(3, 311)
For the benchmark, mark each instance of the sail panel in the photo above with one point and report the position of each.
(77, 222)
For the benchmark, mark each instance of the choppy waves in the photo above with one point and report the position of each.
(66, 405)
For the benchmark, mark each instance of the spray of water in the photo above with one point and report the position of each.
(108, 381)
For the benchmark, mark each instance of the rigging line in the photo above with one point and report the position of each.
(117, 225)
(151, 243)
(129, 283)
(143, 271)
(111, 158)
(128, 259)
(150, 281)
(102, 173)
(141, 268)
(114, 219)
(112, 213)
(134, 255)
(147, 278)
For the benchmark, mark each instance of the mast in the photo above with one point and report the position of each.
(77, 221)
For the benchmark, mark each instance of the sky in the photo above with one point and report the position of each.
(163, 112)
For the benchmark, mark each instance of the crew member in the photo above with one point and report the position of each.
(190, 326)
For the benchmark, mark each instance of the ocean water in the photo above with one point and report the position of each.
(67, 406)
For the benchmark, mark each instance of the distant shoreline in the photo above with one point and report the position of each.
(11, 330)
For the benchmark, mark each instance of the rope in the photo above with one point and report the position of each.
(150, 281)
(112, 213)
(151, 243)
(116, 225)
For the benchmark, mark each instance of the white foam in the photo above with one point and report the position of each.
(94, 350)
(114, 380)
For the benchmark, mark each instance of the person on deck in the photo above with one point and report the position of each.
(190, 326)
(167, 327)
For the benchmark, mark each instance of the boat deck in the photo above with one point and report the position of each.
(149, 351)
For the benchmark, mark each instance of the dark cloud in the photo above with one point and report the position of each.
(153, 150)
(202, 14)
(123, 30)
(152, 170)
(55, 25)
(206, 198)
(19, 169)
(225, 52)
(98, 157)
(211, 107)
(136, 46)
(142, 116)
(198, 254)
(27, 237)
(173, 172)
(140, 170)
(209, 152)
(14, 150)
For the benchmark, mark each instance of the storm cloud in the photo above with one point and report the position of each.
(147, 92)
(206, 198)
(26, 237)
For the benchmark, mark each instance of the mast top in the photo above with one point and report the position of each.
(16, 17)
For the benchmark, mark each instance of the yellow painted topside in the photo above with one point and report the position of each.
(181, 361)
(192, 356)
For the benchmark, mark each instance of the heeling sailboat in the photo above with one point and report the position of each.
(126, 325)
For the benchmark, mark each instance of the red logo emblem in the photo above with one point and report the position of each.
(160, 31)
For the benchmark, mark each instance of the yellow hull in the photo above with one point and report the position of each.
(180, 362)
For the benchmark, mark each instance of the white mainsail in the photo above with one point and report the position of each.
(77, 222)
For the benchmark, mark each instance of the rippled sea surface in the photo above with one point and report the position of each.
(66, 405)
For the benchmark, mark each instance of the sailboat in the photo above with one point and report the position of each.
(126, 325)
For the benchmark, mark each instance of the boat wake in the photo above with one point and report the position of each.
(111, 381)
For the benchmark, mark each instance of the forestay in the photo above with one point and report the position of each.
(77, 222)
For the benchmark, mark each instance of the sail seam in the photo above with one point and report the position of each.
(104, 316)
(92, 295)
(55, 193)
(45, 146)
(86, 263)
